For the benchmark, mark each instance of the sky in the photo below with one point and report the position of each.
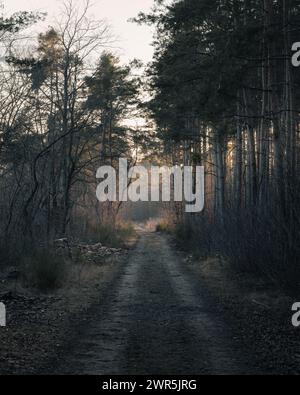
(133, 41)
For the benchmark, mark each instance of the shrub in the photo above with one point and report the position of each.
(261, 245)
(44, 270)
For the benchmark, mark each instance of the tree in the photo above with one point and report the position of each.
(225, 95)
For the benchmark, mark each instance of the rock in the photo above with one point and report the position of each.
(91, 252)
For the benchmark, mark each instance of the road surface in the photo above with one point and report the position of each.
(156, 319)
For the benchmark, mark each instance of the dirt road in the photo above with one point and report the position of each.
(155, 319)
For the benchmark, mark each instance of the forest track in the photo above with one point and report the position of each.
(156, 319)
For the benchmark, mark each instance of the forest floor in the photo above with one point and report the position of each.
(152, 311)
(40, 324)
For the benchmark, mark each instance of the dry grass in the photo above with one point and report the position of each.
(110, 235)
(166, 226)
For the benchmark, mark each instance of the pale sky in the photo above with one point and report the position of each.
(133, 41)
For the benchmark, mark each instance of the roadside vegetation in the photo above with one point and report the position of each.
(65, 104)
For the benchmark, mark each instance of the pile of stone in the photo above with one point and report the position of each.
(93, 253)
